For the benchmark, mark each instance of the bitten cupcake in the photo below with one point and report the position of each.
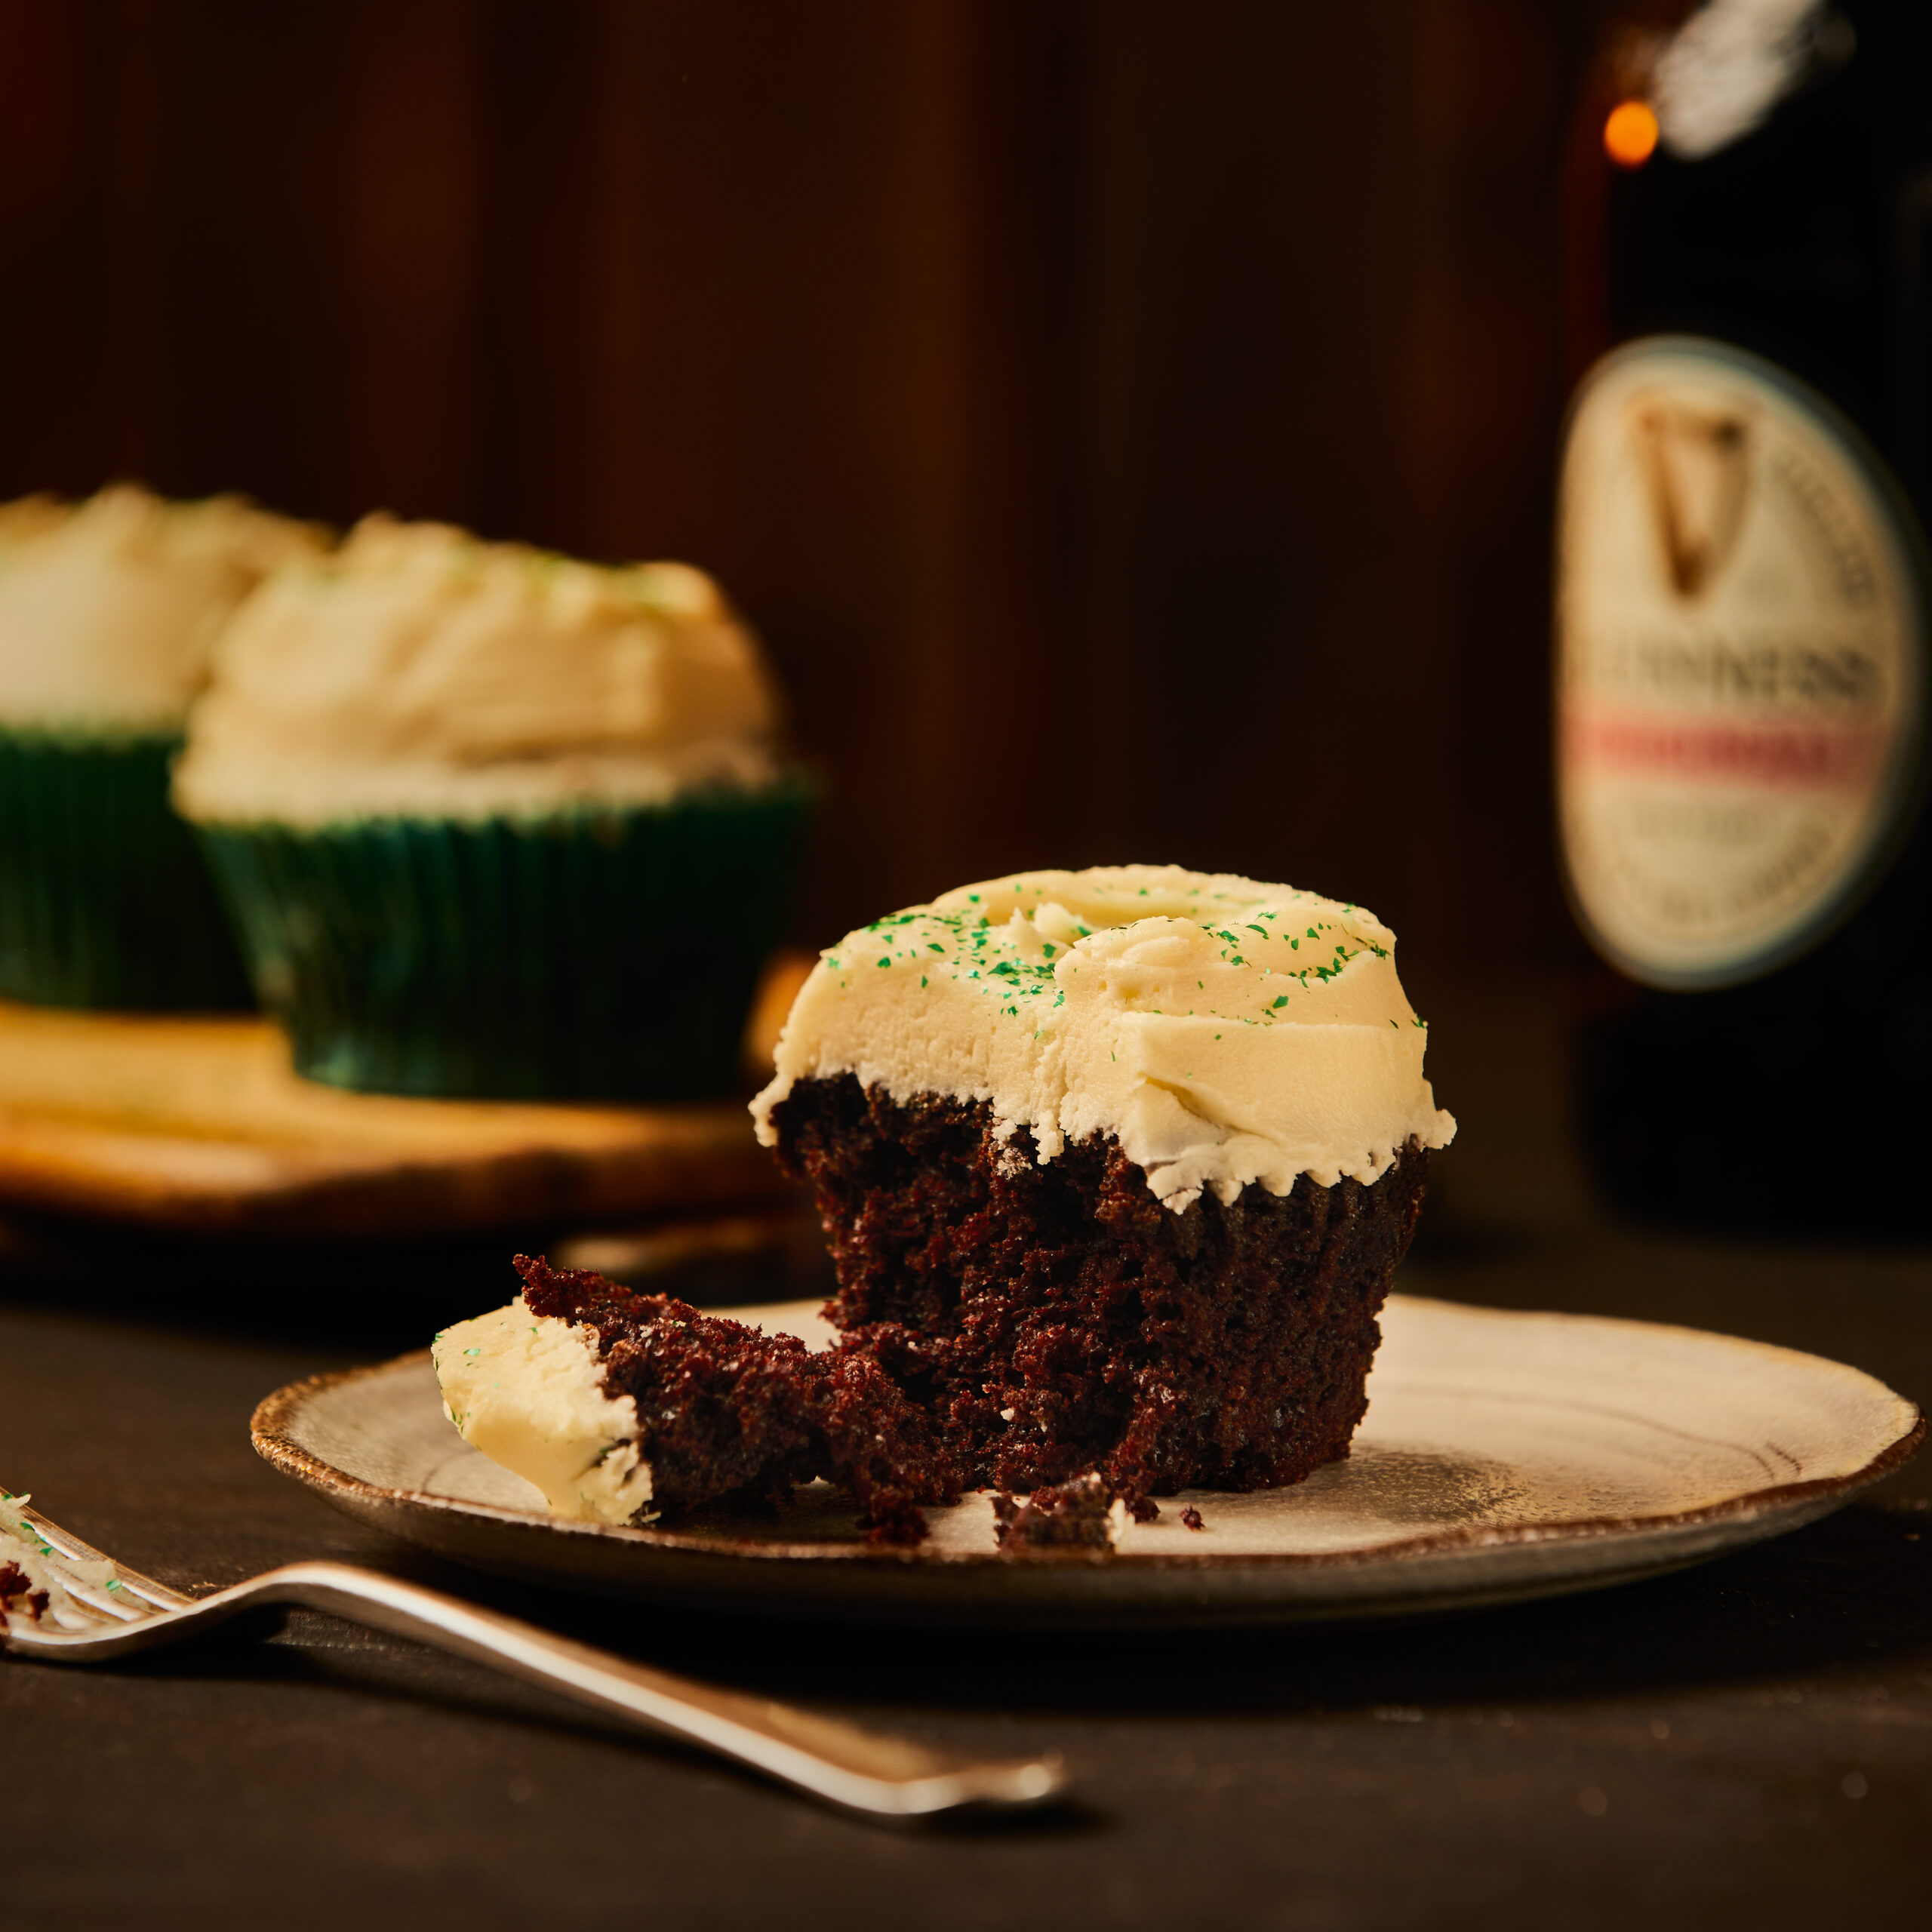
(108, 613)
(495, 823)
(1116, 1166)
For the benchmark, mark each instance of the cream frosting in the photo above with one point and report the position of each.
(1225, 1031)
(109, 611)
(420, 671)
(527, 1392)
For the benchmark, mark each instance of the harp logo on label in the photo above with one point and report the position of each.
(1739, 663)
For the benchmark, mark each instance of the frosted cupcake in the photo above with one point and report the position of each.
(1116, 1167)
(495, 823)
(108, 613)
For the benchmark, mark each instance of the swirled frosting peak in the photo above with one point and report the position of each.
(109, 610)
(1224, 1032)
(420, 671)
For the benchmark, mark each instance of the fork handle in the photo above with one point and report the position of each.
(878, 1777)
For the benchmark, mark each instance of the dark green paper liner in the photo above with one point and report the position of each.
(595, 955)
(105, 897)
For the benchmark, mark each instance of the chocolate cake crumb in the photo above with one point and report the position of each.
(1071, 1515)
(728, 1414)
(1192, 1517)
(17, 1593)
(1055, 1318)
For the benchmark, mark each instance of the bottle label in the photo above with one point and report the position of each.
(1739, 663)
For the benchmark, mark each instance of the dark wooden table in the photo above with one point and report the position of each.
(1747, 1743)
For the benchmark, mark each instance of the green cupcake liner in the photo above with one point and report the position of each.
(604, 955)
(105, 897)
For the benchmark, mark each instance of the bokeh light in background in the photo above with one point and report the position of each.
(1630, 134)
(1131, 430)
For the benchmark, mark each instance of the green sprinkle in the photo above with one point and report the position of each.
(1282, 1002)
(885, 959)
(473, 1351)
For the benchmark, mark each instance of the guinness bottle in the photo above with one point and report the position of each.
(1742, 613)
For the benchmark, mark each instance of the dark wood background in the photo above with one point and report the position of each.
(1132, 426)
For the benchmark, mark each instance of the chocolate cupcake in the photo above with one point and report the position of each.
(108, 614)
(1116, 1166)
(495, 822)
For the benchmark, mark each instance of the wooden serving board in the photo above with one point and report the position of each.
(199, 1124)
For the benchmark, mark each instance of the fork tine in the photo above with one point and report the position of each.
(126, 1597)
(82, 1594)
(85, 1596)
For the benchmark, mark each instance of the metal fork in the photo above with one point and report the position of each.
(101, 1610)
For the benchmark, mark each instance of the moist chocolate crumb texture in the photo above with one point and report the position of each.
(1116, 1166)
(1083, 1514)
(18, 1596)
(624, 1407)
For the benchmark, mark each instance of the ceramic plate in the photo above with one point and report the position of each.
(1504, 1456)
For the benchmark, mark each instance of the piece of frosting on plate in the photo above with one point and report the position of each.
(527, 1392)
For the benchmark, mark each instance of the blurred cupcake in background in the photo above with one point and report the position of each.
(495, 822)
(108, 613)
